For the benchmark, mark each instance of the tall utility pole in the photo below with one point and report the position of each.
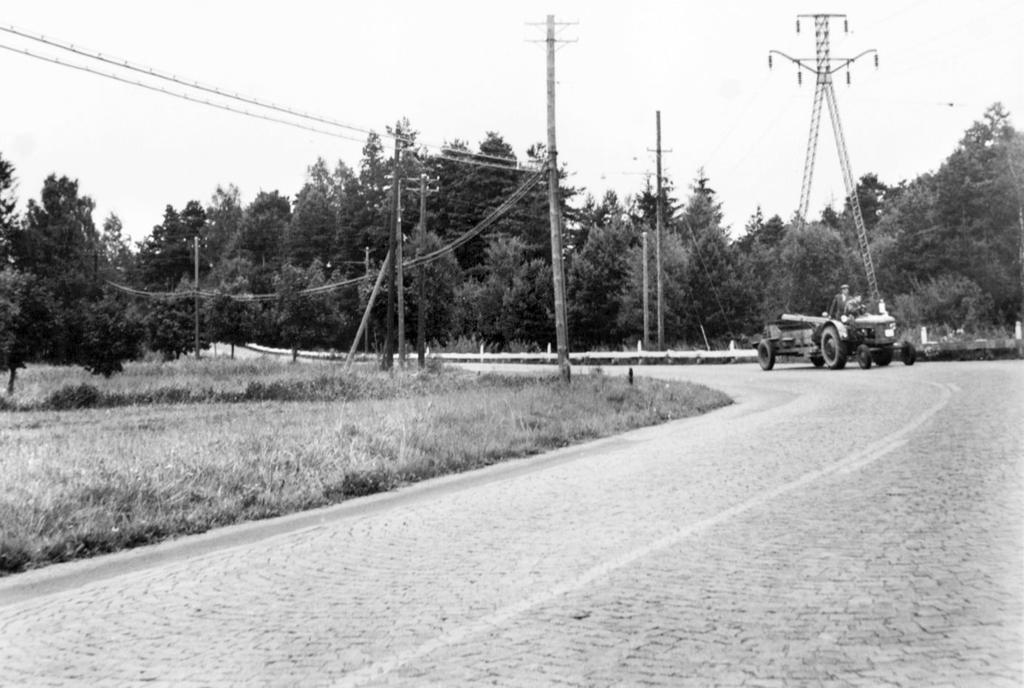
(554, 214)
(421, 237)
(195, 293)
(1020, 221)
(400, 282)
(389, 342)
(660, 219)
(824, 67)
(421, 299)
(647, 308)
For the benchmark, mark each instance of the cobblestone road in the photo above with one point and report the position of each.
(830, 529)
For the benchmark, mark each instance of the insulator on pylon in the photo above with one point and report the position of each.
(876, 60)
(846, 26)
(847, 77)
(798, 26)
(769, 62)
(799, 78)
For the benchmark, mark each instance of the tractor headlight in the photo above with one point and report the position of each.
(890, 332)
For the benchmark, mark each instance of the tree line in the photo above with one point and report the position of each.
(946, 247)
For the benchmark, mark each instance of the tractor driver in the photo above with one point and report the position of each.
(838, 306)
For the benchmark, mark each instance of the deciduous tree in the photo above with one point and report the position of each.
(303, 320)
(170, 324)
(8, 203)
(26, 321)
(112, 334)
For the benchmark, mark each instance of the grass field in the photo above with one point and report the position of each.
(127, 471)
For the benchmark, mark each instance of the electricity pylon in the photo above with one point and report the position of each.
(824, 66)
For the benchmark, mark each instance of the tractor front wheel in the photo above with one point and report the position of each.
(864, 356)
(766, 354)
(883, 356)
(832, 348)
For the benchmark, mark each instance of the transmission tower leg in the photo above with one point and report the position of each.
(851, 194)
(812, 150)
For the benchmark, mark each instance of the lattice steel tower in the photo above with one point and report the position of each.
(824, 66)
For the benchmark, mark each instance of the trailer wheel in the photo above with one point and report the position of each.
(864, 356)
(832, 348)
(909, 354)
(883, 357)
(766, 354)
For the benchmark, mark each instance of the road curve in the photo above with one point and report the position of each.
(830, 528)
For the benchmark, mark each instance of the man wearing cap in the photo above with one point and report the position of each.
(838, 306)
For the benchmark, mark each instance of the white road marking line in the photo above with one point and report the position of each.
(857, 460)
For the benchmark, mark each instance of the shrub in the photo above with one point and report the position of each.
(365, 482)
(950, 300)
(14, 555)
(72, 397)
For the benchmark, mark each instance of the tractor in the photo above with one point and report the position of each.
(870, 338)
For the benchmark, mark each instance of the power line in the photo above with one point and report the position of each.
(156, 73)
(468, 235)
(450, 150)
(483, 224)
(160, 74)
(517, 168)
(183, 96)
(739, 118)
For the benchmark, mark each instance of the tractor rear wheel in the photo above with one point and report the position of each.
(833, 350)
(909, 353)
(766, 354)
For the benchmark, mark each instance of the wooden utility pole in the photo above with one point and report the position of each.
(554, 214)
(647, 308)
(366, 271)
(1020, 221)
(660, 215)
(195, 293)
(389, 342)
(421, 303)
(400, 284)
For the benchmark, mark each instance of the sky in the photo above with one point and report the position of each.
(459, 69)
